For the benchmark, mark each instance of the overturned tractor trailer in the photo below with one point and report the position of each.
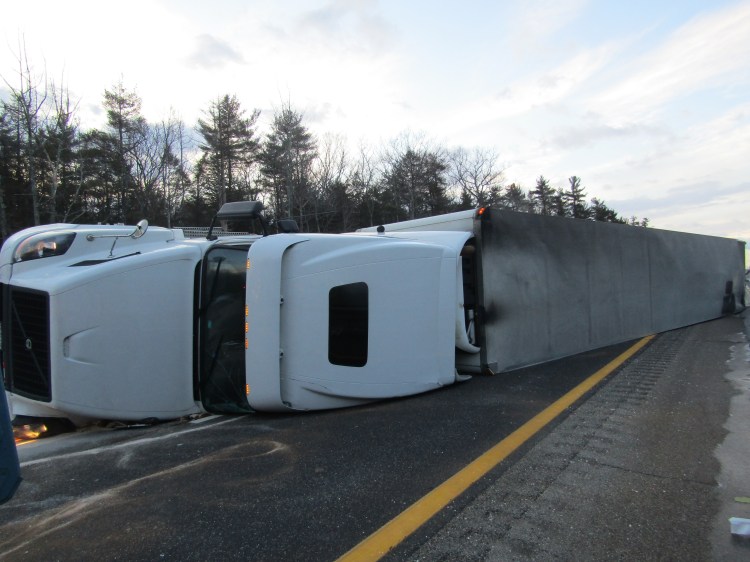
(111, 322)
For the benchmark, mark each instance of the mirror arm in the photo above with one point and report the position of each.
(140, 230)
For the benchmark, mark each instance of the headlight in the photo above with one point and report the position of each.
(43, 245)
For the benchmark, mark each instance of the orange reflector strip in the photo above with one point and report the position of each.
(247, 390)
(246, 343)
(247, 311)
(247, 264)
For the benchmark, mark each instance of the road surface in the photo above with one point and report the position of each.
(630, 471)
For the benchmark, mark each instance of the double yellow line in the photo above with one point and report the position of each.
(407, 522)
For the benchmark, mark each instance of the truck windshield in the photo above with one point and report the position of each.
(222, 349)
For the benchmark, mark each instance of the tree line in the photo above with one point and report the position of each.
(51, 170)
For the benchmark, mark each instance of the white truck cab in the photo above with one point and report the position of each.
(107, 322)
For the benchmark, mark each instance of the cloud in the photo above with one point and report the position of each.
(709, 207)
(537, 21)
(686, 196)
(703, 152)
(693, 179)
(704, 53)
(352, 24)
(543, 88)
(586, 135)
(322, 113)
(210, 52)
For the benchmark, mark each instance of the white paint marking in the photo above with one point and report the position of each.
(126, 444)
(206, 418)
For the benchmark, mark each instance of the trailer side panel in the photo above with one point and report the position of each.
(553, 287)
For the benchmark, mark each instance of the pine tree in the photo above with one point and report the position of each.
(515, 199)
(543, 196)
(127, 128)
(600, 212)
(97, 176)
(286, 160)
(575, 199)
(229, 146)
(559, 206)
(417, 184)
(415, 180)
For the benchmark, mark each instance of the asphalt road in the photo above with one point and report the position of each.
(311, 486)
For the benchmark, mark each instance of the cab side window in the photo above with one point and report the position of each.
(348, 307)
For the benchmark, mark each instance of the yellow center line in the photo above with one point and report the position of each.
(412, 518)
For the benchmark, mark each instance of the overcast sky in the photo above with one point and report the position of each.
(647, 101)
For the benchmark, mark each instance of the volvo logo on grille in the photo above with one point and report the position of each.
(29, 344)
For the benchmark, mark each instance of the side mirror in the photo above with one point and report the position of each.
(140, 229)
